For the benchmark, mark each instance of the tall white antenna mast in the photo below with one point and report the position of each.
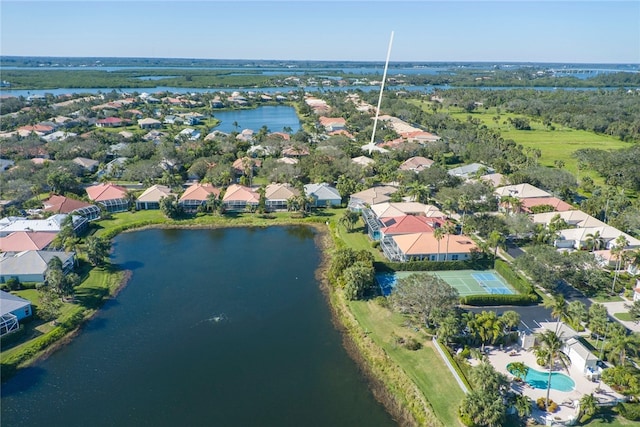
(384, 79)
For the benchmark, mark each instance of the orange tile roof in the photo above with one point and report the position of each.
(408, 224)
(240, 193)
(19, 241)
(62, 204)
(106, 191)
(426, 243)
(199, 192)
(557, 204)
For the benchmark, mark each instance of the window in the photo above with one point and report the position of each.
(454, 257)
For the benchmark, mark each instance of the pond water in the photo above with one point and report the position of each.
(276, 118)
(223, 327)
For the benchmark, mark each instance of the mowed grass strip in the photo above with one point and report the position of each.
(423, 366)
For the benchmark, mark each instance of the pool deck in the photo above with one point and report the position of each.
(565, 400)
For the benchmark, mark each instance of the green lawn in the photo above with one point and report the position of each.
(625, 317)
(423, 366)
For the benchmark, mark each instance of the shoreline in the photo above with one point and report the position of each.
(346, 325)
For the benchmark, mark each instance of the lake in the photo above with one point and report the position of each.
(276, 118)
(224, 327)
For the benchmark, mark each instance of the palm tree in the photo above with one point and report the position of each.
(619, 252)
(522, 405)
(594, 241)
(588, 406)
(558, 307)
(438, 234)
(550, 351)
(518, 369)
(419, 192)
(510, 319)
(449, 229)
(496, 239)
(489, 327)
(622, 344)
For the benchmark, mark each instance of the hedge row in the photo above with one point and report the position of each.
(31, 349)
(388, 266)
(500, 299)
(519, 283)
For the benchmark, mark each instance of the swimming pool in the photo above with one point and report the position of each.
(559, 381)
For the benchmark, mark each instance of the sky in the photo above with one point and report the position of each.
(348, 30)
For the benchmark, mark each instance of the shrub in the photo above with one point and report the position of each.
(630, 411)
(499, 299)
(4, 287)
(381, 301)
(412, 344)
(542, 404)
(13, 284)
(375, 244)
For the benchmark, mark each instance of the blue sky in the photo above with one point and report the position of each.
(516, 30)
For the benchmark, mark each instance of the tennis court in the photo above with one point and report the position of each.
(467, 282)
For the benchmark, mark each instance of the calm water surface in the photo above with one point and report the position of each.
(215, 328)
(276, 118)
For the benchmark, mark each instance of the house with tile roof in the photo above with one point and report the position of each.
(363, 161)
(278, 195)
(556, 204)
(112, 197)
(65, 205)
(150, 198)
(579, 238)
(573, 218)
(370, 196)
(88, 164)
(424, 246)
(19, 241)
(240, 197)
(197, 195)
(149, 123)
(416, 164)
(521, 191)
(331, 124)
(110, 122)
(322, 195)
(31, 266)
(389, 209)
(409, 224)
(495, 179)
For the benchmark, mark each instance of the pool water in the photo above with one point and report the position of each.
(559, 381)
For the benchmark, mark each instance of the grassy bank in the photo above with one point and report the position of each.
(425, 367)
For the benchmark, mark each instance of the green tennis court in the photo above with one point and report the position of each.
(467, 282)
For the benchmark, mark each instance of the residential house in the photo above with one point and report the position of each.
(31, 266)
(332, 123)
(88, 164)
(64, 205)
(573, 218)
(424, 246)
(149, 123)
(363, 161)
(579, 238)
(197, 195)
(110, 122)
(278, 195)
(370, 196)
(295, 151)
(54, 224)
(246, 166)
(322, 195)
(416, 164)
(409, 224)
(150, 198)
(521, 191)
(188, 134)
(555, 203)
(112, 197)
(12, 310)
(388, 210)
(58, 135)
(19, 241)
(471, 171)
(420, 137)
(495, 179)
(239, 197)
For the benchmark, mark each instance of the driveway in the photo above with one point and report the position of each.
(618, 307)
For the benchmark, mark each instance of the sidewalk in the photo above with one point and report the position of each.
(618, 307)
